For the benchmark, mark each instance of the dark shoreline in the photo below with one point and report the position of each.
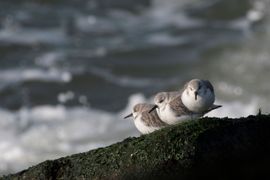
(209, 147)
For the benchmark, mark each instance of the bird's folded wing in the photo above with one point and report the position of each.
(152, 119)
(178, 107)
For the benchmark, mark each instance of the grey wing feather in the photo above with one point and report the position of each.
(178, 107)
(152, 119)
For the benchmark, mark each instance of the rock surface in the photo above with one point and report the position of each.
(209, 147)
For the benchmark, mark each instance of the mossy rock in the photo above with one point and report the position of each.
(209, 147)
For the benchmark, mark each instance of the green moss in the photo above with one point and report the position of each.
(178, 150)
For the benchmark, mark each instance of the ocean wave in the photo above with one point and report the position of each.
(128, 81)
(30, 74)
(120, 80)
(32, 36)
(50, 59)
(29, 136)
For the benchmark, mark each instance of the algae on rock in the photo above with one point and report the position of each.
(208, 147)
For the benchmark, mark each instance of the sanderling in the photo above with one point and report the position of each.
(144, 121)
(198, 95)
(170, 108)
(193, 101)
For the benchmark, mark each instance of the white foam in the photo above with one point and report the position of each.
(235, 109)
(96, 25)
(230, 89)
(120, 80)
(165, 39)
(18, 75)
(32, 36)
(49, 59)
(29, 136)
(128, 81)
(257, 12)
(132, 101)
(66, 96)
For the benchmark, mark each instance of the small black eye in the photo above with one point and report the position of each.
(160, 101)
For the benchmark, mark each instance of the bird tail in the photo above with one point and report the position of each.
(213, 107)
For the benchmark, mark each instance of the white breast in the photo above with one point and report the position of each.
(168, 116)
(203, 102)
(142, 127)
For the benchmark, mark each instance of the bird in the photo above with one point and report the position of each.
(144, 121)
(191, 102)
(198, 95)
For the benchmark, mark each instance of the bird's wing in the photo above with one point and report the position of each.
(152, 119)
(178, 107)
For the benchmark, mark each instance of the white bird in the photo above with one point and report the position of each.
(198, 95)
(193, 101)
(144, 121)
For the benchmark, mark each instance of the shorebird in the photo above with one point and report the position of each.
(198, 95)
(193, 101)
(144, 121)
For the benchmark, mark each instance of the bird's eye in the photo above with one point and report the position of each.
(160, 101)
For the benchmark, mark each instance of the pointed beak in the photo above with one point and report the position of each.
(196, 94)
(128, 116)
(153, 109)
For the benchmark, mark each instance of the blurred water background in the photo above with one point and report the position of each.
(71, 69)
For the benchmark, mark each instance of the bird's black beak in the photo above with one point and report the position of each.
(128, 116)
(196, 94)
(153, 109)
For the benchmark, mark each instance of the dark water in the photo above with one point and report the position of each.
(69, 70)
